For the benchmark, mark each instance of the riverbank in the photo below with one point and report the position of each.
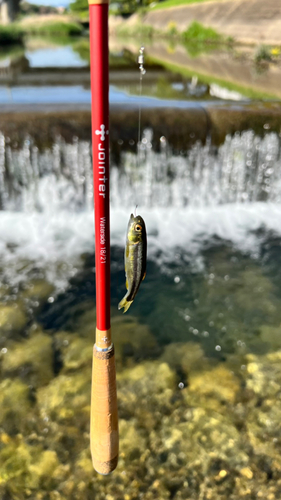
(251, 22)
(237, 70)
(43, 25)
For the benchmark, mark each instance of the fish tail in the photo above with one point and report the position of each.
(124, 303)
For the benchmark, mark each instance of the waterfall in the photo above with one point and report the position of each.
(245, 168)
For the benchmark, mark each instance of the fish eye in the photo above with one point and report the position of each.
(138, 227)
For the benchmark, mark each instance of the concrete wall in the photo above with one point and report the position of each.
(249, 21)
(8, 11)
(4, 15)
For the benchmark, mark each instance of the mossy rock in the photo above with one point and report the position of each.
(13, 319)
(146, 390)
(132, 340)
(132, 442)
(217, 383)
(38, 291)
(84, 463)
(75, 352)
(28, 468)
(82, 320)
(183, 356)
(15, 405)
(203, 434)
(42, 471)
(14, 461)
(263, 374)
(149, 377)
(236, 302)
(4, 291)
(271, 336)
(30, 359)
(67, 397)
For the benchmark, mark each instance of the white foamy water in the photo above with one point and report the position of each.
(51, 241)
(186, 200)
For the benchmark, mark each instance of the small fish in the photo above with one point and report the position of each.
(135, 259)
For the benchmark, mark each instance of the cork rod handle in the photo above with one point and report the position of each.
(104, 414)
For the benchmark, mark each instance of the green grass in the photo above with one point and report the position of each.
(262, 54)
(137, 30)
(198, 33)
(11, 35)
(12, 51)
(54, 28)
(175, 3)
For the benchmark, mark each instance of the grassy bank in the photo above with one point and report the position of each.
(195, 33)
(51, 25)
(54, 28)
(175, 3)
(11, 35)
(198, 33)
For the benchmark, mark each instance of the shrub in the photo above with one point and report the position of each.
(198, 33)
(262, 54)
(172, 28)
(54, 28)
(10, 35)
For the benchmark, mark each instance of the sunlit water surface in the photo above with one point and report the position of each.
(213, 218)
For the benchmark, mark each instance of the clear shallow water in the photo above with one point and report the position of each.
(198, 357)
(54, 57)
(77, 94)
(22, 68)
(212, 215)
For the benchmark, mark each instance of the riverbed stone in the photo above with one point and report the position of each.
(174, 442)
(38, 291)
(147, 378)
(26, 468)
(31, 359)
(263, 374)
(132, 440)
(66, 397)
(74, 351)
(202, 435)
(15, 405)
(217, 383)
(132, 341)
(4, 291)
(183, 356)
(13, 319)
(41, 472)
(271, 336)
(145, 392)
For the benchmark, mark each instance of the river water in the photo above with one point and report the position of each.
(198, 354)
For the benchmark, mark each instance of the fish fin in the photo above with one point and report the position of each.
(127, 285)
(124, 303)
(144, 276)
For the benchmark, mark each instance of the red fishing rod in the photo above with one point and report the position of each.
(104, 416)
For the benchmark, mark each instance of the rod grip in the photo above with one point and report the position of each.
(104, 413)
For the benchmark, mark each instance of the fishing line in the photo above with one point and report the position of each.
(142, 73)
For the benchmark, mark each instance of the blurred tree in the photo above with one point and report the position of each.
(79, 5)
(120, 7)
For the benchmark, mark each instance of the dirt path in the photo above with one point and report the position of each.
(247, 21)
